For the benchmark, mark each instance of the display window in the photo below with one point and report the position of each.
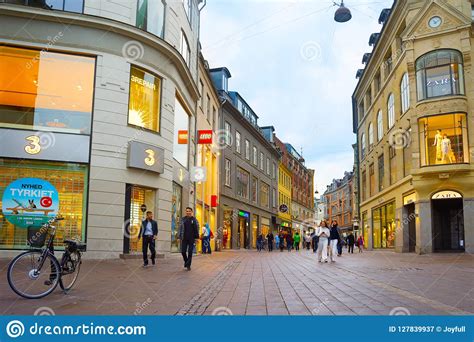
(383, 222)
(227, 229)
(443, 139)
(70, 181)
(181, 124)
(254, 230)
(176, 210)
(46, 91)
(265, 226)
(144, 103)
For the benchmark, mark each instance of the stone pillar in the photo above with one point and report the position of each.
(402, 231)
(468, 209)
(424, 233)
(370, 239)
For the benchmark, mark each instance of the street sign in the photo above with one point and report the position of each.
(198, 174)
(283, 208)
(143, 208)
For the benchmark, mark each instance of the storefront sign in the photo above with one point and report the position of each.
(446, 195)
(146, 157)
(409, 199)
(15, 143)
(244, 214)
(182, 137)
(205, 137)
(198, 174)
(283, 208)
(30, 202)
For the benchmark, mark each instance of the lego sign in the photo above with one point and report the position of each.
(182, 137)
(205, 136)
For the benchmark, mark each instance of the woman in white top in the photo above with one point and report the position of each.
(323, 233)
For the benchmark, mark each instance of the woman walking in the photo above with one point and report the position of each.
(323, 233)
(282, 241)
(360, 243)
(289, 242)
(334, 238)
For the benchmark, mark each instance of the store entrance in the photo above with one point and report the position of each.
(243, 230)
(135, 198)
(448, 225)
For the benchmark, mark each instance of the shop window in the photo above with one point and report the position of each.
(176, 210)
(144, 103)
(243, 183)
(383, 222)
(181, 124)
(443, 139)
(151, 16)
(405, 92)
(46, 90)
(70, 180)
(379, 125)
(264, 195)
(439, 73)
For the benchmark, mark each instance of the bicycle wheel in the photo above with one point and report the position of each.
(32, 277)
(71, 265)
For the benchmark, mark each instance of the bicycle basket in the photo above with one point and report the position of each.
(36, 237)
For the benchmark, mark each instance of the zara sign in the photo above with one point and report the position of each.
(446, 194)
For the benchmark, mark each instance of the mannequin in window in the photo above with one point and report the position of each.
(437, 143)
(447, 154)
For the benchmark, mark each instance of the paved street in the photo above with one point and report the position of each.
(251, 283)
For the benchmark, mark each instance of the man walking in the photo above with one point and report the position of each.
(148, 231)
(188, 235)
(350, 243)
(270, 239)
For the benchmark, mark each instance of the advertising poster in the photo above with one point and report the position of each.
(30, 202)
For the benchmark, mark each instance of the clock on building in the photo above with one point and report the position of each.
(435, 21)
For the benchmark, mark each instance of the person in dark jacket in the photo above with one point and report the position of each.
(334, 238)
(188, 235)
(282, 241)
(350, 243)
(148, 231)
(270, 239)
(289, 241)
(315, 241)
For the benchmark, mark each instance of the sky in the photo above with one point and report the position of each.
(295, 66)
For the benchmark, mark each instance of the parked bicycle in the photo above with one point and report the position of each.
(36, 273)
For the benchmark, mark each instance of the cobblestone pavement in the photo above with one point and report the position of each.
(278, 283)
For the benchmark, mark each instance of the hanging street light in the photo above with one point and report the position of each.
(343, 14)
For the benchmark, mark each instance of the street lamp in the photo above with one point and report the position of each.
(343, 14)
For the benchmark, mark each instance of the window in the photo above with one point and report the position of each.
(201, 93)
(274, 202)
(443, 139)
(261, 161)
(208, 110)
(361, 110)
(64, 5)
(243, 183)
(391, 111)
(228, 133)
(377, 83)
(181, 124)
(247, 149)
(364, 185)
(268, 166)
(371, 179)
(254, 189)
(184, 49)
(407, 158)
(381, 167)
(274, 171)
(363, 146)
(214, 118)
(188, 8)
(405, 92)
(379, 125)
(144, 102)
(264, 195)
(439, 73)
(393, 164)
(255, 156)
(371, 136)
(384, 226)
(227, 172)
(151, 15)
(388, 63)
(26, 91)
(368, 98)
(237, 141)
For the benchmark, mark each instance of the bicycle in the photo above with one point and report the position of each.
(37, 272)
